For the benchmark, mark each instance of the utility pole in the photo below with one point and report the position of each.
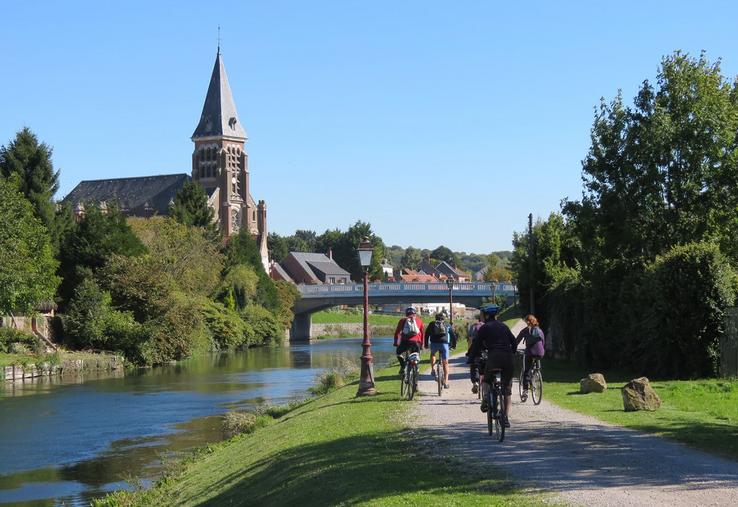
(530, 263)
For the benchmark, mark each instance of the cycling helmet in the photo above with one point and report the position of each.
(490, 309)
(410, 310)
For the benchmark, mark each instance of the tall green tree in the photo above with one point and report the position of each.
(411, 259)
(660, 173)
(443, 253)
(190, 207)
(277, 246)
(31, 162)
(27, 265)
(91, 243)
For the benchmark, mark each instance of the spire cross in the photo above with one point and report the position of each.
(218, 39)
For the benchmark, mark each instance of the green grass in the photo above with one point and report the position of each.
(511, 315)
(699, 413)
(19, 359)
(333, 450)
(327, 317)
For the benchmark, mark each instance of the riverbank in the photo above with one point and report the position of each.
(348, 330)
(336, 449)
(27, 366)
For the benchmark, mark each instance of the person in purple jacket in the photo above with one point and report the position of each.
(534, 348)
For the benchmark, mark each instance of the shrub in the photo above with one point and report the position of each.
(344, 372)
(689, 289)
(225, 325)
(10, 336)
(176, 334)
(266, 328)
(237, 423)
(91, 322)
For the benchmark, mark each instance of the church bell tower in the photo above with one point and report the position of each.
(220, 161)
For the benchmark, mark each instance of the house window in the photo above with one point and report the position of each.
(332, 279)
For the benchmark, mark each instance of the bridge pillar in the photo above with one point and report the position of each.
(301, 329)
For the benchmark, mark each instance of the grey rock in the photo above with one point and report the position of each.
(639, 395)
(593, 383)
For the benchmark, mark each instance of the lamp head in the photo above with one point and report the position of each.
(365, 253)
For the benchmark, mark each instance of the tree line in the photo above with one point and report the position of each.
(640, 270)
(156, 289)
(343, 245)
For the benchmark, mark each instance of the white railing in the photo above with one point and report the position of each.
(400, 288)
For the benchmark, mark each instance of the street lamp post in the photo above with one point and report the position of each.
(366, 382)
(450, 284)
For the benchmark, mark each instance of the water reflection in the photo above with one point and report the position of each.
(73, 441)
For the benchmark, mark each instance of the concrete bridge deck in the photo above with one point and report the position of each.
(319, 297)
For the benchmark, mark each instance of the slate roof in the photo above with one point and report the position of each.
(321, 262)
(132, 194)
(219, 116)
(447, 269)
(328, 267)
(280, 272)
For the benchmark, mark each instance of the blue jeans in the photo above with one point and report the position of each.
(442, 347)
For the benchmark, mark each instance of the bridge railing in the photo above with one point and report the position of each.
(388, 288)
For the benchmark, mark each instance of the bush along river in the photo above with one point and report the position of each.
(64, 442)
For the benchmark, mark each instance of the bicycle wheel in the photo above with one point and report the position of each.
(536, 386)
(403, 383)
(520, 384)
(500, 421)
(491, 426)
(412, 384)
(439, 377)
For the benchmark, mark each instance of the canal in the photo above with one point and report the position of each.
(67, 441)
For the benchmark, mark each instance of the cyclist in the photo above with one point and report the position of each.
(534, 348)
(408, 336)
(440, 336)
(471, 331)
(501, 345)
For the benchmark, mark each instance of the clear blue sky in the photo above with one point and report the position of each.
(437, 122)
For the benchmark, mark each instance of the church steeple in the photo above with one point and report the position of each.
(219, 117)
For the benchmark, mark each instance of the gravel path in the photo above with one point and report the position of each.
(580, 459)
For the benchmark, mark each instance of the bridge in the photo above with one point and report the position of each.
(319, 297)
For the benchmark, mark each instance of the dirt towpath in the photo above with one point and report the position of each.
(580, 459)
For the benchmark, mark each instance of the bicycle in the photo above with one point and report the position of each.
(481, 365)
(439, 374)
(496, 415)
(409, 381)
(535, 382)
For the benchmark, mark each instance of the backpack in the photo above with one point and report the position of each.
(533, 337)
(409, 329)
(440, 333)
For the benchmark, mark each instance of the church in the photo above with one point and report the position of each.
(219, 164)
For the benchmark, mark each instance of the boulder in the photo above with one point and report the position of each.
(592, 383)
(639, 395)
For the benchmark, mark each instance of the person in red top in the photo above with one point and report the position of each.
(408, 335)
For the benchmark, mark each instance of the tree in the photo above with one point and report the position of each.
(308, 238)
(658, 173)
(31, 162)
(183, 252)
(411, 259)
(277, 246)
(190, 207)
(27, 266)
(94, 240)
(443, 253)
